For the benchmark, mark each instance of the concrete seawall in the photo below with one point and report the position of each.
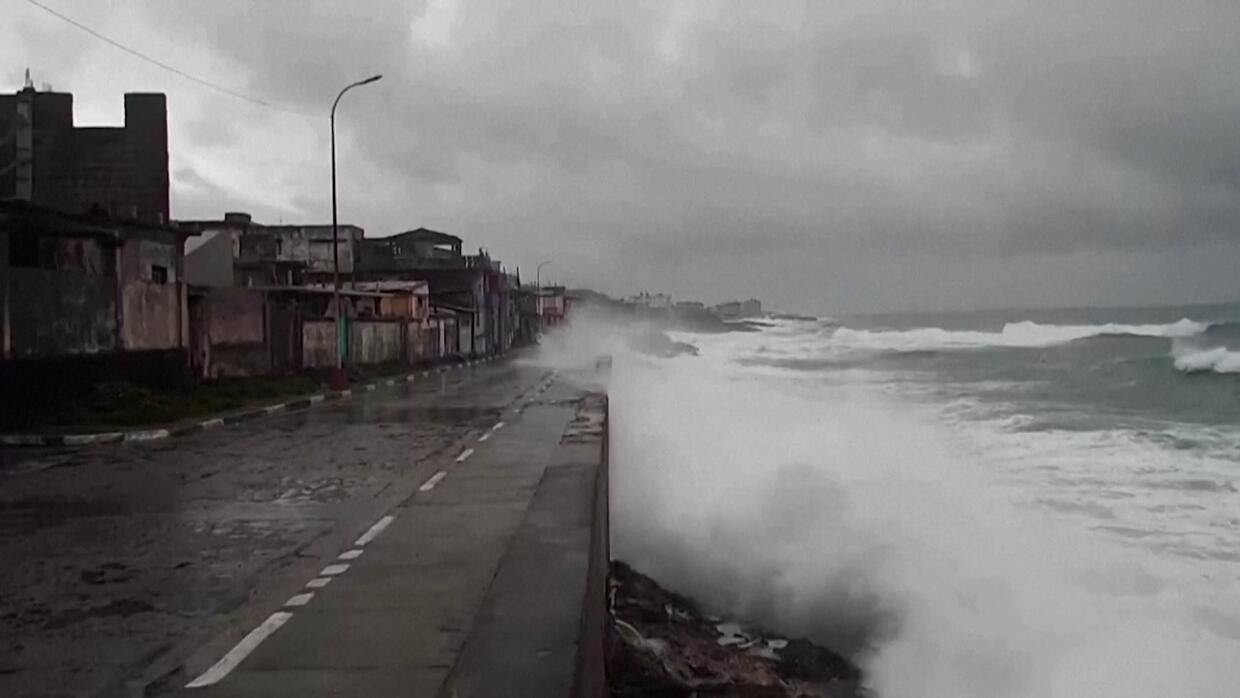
(541, 630)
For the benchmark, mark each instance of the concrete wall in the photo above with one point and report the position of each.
(318, 343)
(54, 312)
(376, 341)
(370, 342)
(210, 262)
(140, 256)
(235, 316)
(151, 316)
(236, 335)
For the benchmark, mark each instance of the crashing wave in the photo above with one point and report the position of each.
(1013, 334)
(1199, 360)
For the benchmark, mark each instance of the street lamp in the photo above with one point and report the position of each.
(538, 274)
(539, 297)
(339, 379)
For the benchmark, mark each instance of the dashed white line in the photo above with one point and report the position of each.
(333, 570)
(315, 399)
(484, 437)
(213, 423)
(498, 425)
(350, 554)
(299, 599)
(241, 650)
(318, 582)
(374, 531)
(464, 455)
(432, 481)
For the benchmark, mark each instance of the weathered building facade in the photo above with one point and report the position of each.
(85, 298)
(236, 251)
(118, 171)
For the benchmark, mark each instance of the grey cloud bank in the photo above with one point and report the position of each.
(828, 157)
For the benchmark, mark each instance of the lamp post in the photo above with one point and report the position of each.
(539, 297)
(339, 379)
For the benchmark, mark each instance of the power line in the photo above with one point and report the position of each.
(169, 68)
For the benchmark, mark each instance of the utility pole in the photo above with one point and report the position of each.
(339, 379)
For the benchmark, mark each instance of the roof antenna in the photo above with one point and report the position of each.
(29, 82)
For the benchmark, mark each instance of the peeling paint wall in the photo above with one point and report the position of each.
(151, 318)
(55, 312)
(235, 316)
(376, 341)
(318, 343)
(236, 333)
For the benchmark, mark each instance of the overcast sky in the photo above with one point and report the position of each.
(823, 156)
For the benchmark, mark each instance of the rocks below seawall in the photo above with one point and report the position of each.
(661, 645)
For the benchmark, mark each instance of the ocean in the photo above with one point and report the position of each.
(1002, 504)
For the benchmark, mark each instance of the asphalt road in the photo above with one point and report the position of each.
(121, 562)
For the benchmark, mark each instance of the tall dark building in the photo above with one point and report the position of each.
(120, 171)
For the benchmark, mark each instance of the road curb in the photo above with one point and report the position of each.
(148, 434)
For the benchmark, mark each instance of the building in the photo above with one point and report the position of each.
(472, 289)
(552, 305)
(652, 301)
(236, 251)
(735, 310)
(398, 256)
(120, 172)
(85, 299)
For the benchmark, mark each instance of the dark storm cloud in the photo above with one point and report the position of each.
(668, 134)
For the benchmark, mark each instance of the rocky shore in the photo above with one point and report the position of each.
(662, 645)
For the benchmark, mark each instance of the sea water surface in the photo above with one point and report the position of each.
(1006, 503)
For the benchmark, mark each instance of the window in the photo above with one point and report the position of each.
(159, 274)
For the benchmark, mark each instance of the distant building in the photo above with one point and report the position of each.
(121, 172)
(735, 310)
(474, 289)
(654, 301)
(690, 306)
(552, 305)
(236, 251)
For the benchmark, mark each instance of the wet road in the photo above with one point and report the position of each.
(120, 561)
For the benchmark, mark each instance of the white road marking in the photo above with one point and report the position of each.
(484, 437)
(213, 423)
(299, 599)
(498, 425)
(432, 481)
(318, 582)
(333, 570)
(272, 409)
(464, 454)
(315, 399)
(374, 531)
(241, 650)
(350, 554)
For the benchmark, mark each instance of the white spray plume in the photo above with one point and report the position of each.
(850, 520)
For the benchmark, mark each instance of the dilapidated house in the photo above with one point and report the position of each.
(236, 251)
(85, 298)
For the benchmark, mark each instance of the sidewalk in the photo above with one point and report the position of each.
(472, 587)
(70, 437)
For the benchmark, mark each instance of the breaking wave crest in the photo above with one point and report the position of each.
(1199, 360)
(1013, 334)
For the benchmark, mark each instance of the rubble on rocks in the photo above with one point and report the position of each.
(662, 646)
